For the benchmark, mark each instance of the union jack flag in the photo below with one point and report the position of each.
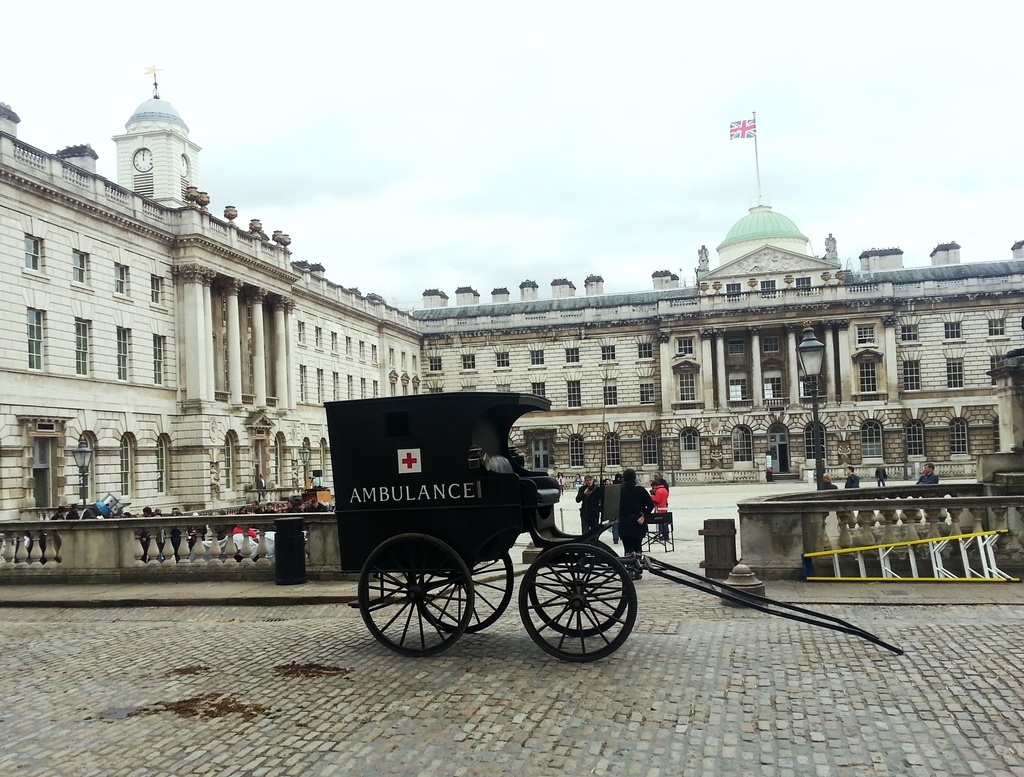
(742, 129)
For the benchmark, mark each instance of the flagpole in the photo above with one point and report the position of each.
(757, 160)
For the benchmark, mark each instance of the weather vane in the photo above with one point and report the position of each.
(152, 70)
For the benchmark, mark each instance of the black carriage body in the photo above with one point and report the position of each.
(434, 464)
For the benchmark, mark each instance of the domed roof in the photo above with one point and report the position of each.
(155, 109)
(761, 223)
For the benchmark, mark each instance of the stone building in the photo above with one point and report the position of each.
(703, 380)
(188, 351)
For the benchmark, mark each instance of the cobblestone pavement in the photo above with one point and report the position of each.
(698, 689)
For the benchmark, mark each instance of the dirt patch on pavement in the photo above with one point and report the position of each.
(210, 705)
(309, 670)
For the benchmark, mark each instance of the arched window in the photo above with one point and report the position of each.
(871, 440)
(649, 448)
(612, 453)
(742, 444)
(689, 449)
(230, 461)
(576, 451)
(958, 436)
(809, 442)
(163, 464)
(915, 438)
(126, 465)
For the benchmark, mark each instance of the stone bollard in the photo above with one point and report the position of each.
(743, 578)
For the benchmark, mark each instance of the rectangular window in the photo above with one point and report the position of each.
(733, 291)
(954, 373)
(868, 378)
(574, 393)
(865, 334)
(738, 388)
(348, 346)
(156, 289)
(373, 354)
(770, 344)
(911, 375)
(404, 355)
(334, 342)
(335, 386)
(958, 436)
(35, 339)
(684, 346)
(362, 388)
(768, 290)
(362, 350)
(120, 278)
(81, 347)
(915, 439)
(376, 388)
(572, 355)
(391, 357)
(318, 337)
(996, 327)
(349, 380)
(301, 332)
(501, 359)
(469, 361)
(607, 353)
(80, 267)
(33, 253)
(503, 388)
(124, 350)
(647, 392)
(159, 347)
(649, 448)
(952, 330)
(611, 393)
(319, 386)
(737, 347)
(575, 451)
(687, 387)
(908, 333)
(538, 389)
(536, 357)
(644, 351)
(303, 384)
(803, 282)
(773, 387)
(433, 363)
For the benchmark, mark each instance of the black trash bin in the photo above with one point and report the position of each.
(289, 551)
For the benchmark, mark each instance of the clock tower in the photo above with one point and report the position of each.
(155, 158)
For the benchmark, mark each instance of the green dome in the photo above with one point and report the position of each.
(761, 223)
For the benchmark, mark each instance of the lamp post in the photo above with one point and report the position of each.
(304, 454)
(83, 458)
(810, 352)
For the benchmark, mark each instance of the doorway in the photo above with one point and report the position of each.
(778, 447)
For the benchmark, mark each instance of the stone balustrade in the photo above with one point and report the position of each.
(776, 531)
(169, 549)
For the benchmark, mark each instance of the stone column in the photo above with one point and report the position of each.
(231, 289)
(755, 360)
(665, 374)
(892, 384)
(830, 363)
(259, 355)
(281, 353)
(723, 380)
(845, 389)
(207, 339)
(195, 331)
(794, 365)
(707, 370)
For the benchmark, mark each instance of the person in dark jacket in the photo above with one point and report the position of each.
(588, 496)
(635, 504)
(928, 476)
(852, 481)
(826, 483)
(880, 476)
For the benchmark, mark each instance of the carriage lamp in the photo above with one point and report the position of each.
(83, 458)
(810, 352)
(304, 454)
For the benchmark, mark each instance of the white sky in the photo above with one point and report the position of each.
(410, 145)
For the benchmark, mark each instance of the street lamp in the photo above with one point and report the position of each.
(810, 352)
(83, 458)
(304, 454)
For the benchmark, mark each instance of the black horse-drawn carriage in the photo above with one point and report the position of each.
(430, 500)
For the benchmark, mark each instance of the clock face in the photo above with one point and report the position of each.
(143, 160)
(184, 166)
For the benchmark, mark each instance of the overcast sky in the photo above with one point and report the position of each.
(411, 145)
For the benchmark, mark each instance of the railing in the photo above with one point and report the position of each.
(776, 531)
(195, 547)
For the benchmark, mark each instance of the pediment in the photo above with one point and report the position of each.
(867, 355)
(770, 261)
(685, 364)
(259, 421)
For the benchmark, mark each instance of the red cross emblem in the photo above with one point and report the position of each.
(409, 460)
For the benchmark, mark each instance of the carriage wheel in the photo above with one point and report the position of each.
(415, 595)
(577, 602)
(491, 597)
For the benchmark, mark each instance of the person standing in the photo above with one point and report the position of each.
(852, 481)
(635, 505)
(659, 495)
(588, 496)
(880, 475)
(261, 486)
(928, 476)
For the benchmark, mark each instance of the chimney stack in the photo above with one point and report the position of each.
(1018, 249)
(499, 295)
(664, 279)
(8, 120)
(562, 287)
(435, 298)
(594, 284)
(945, 253)
(80, 156)
(465, 295)
(528, 291)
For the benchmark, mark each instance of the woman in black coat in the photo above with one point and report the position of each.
(635, 505)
